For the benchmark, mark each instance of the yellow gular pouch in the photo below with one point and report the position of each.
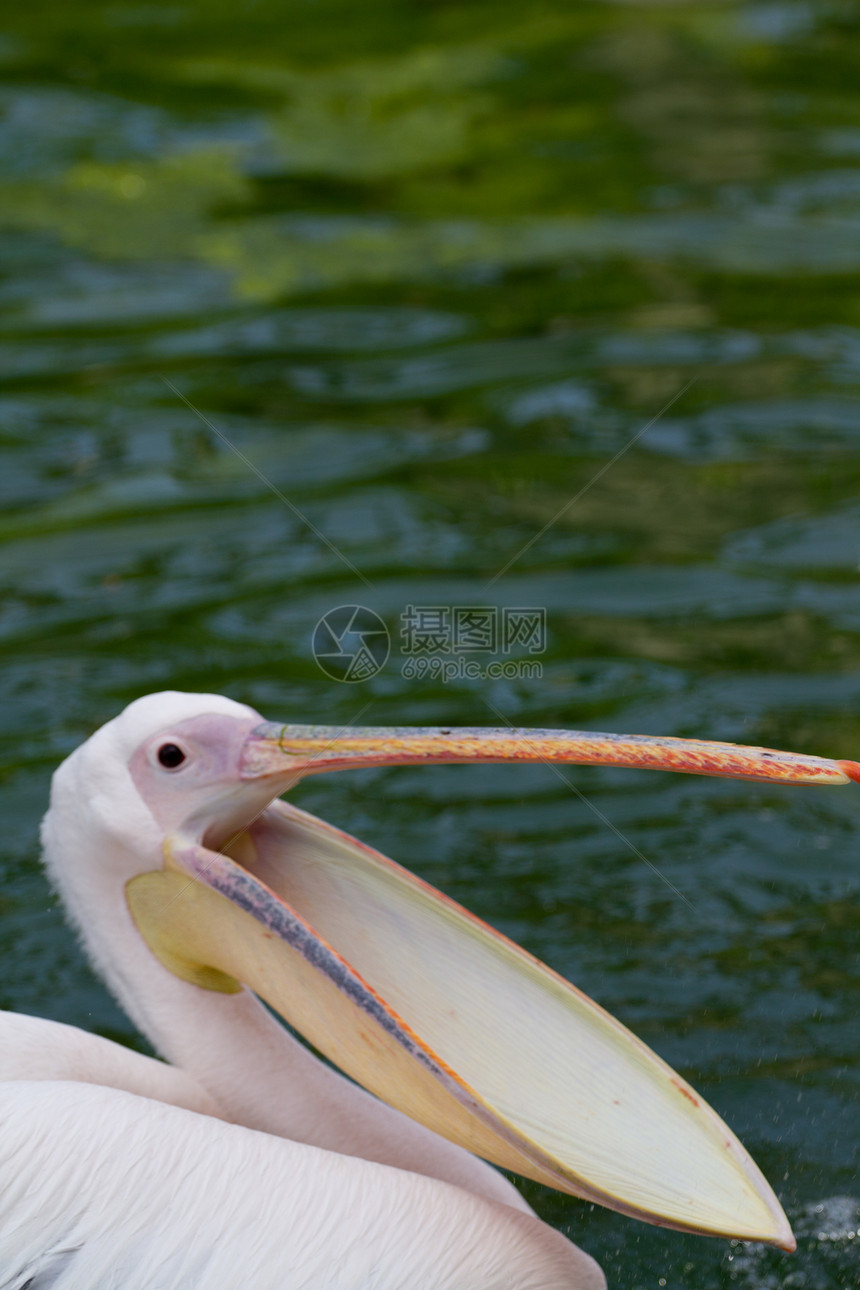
(445, 1019)
(169, 909)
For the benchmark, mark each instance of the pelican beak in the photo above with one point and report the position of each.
(293, 751)
(437, 1013)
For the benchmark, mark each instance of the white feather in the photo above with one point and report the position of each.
(104, 1190)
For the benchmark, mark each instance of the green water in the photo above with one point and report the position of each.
(428, 268)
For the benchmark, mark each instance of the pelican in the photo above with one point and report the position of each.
(242, 1159)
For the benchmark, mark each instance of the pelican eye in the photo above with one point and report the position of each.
(170, 756)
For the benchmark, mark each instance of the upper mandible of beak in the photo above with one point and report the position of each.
(289, 752)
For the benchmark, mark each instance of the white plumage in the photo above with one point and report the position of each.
(106, 1190)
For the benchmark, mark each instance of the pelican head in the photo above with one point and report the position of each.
(404, 990)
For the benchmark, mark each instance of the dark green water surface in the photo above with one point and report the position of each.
(425, 269)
